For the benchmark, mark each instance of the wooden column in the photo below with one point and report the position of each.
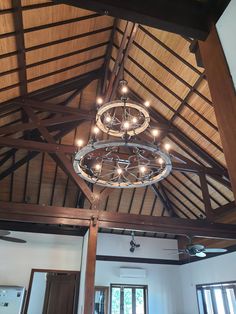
(90, 268)
(223, 97)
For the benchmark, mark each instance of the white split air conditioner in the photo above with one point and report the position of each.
(126, 272)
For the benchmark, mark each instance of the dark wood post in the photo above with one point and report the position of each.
(223, 97)
(90, 267)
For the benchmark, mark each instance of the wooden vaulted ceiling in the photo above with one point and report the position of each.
(63, 55)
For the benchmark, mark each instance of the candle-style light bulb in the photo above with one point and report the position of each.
(155, 132)
(99, 101)
(142, 169)
(96, 130)
(167, 146)
(119, 171)
(98, 167)
(126, 125)
(79, 142)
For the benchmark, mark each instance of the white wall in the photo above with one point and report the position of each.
(164, 293)
(216, 269)
(226, 27)
(119, 245)
(45, 251)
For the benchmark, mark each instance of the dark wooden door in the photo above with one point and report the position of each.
(61, 293)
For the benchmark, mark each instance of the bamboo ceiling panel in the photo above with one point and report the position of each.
(7, 64)
(53, 79)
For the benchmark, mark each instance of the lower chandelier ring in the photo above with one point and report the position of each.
(121, 164)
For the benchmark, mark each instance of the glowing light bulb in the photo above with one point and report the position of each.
(134, 120)
(119, 171)
(99, 101)
(96, 130)
(126, 125)
(124, 89)
(108, 119)
(155, 132)
(142, 169)
(80, 142)
(147, 103)
(98, 167)
(161, 161)
(167, 146)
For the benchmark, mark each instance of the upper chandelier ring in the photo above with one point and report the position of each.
(136, 120)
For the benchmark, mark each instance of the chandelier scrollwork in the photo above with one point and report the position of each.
(125, 162)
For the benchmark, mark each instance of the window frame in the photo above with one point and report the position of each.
(132, 286)
(210, 286)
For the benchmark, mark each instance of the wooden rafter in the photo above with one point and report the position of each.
(114, 75)
(164, 200)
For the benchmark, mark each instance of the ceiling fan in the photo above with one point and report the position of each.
(4, 236)
(198, 249)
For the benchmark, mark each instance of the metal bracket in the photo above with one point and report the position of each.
(94, 220)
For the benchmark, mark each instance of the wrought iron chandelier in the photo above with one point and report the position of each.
(123, 160)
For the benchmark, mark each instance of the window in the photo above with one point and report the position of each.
(217, 298)
(128, 299)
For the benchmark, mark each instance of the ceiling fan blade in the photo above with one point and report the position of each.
(200, 254)
(11, 239)
(215, 250)
(4, 233)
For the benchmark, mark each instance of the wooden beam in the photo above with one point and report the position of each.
(90, 267)
(120, 71)
(20, 127)
(37, 146)
(108, 57)
(82, 217)
(223, 96)
(20, 45)
(32, 154)
(206, 196)
(63, 161)
(45, 106)
(110, 89)
(225, 213)
(164, 200)
(185, 17)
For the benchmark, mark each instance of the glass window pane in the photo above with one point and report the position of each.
(127, 301)
(200, 301)
(207, 295)
(115, 301)
(219, 300)
(231, 300)
(139, 296)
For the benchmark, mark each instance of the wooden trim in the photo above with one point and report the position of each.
(136, 260)
(34, 270)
